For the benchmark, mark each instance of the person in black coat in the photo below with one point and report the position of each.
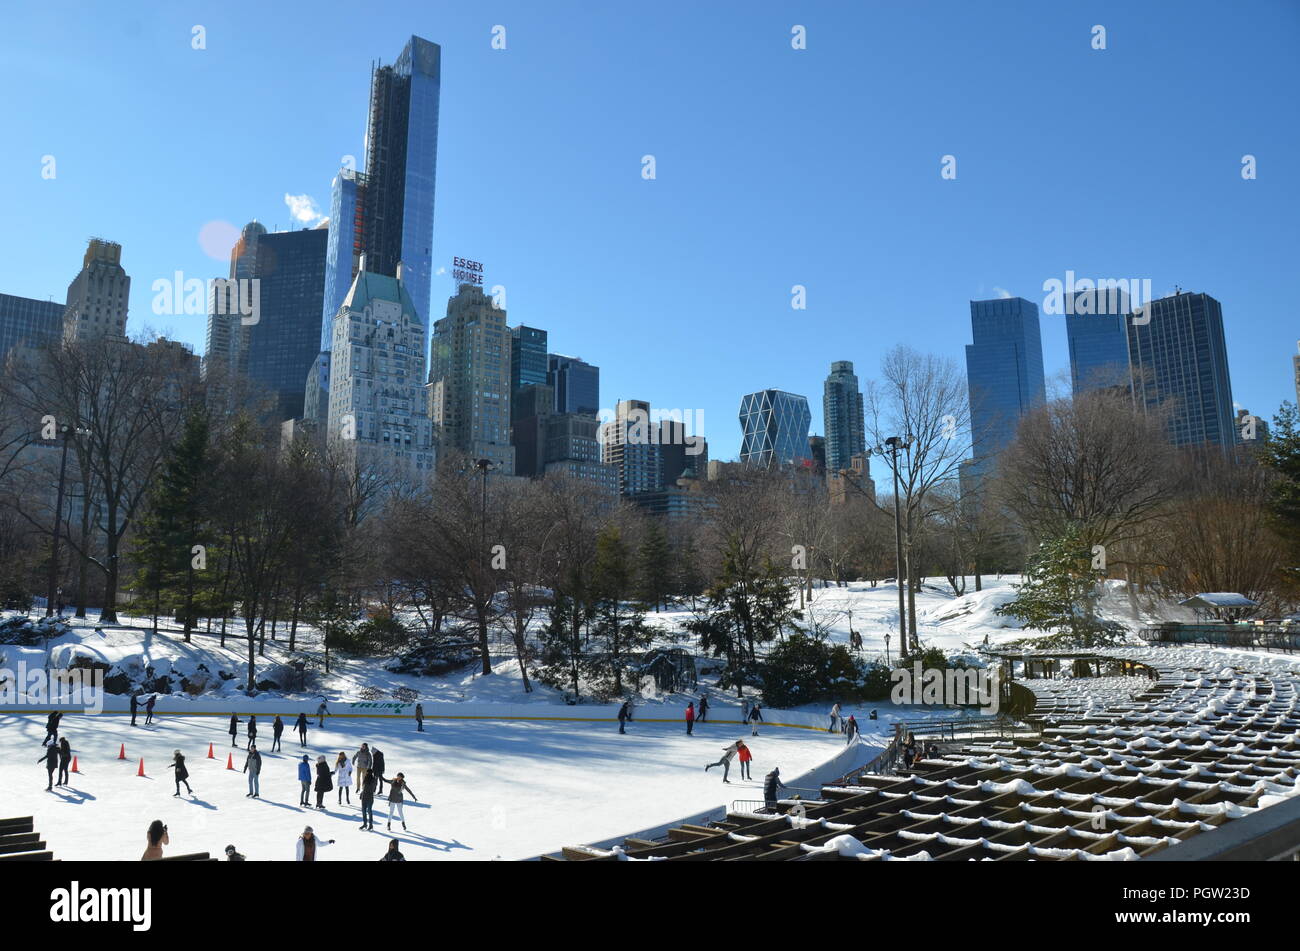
(182, 774)
(51, 761)
(323, 782)
(65, 759)
(377, 767)
(52, 728)
(393, 855)
(624, 714)
(148, 709)
(276, 729)
(368, 801)
(234, 728)
(771, 783)
(702, 710)
(252, 731)
(301, 727)
(419, 719)
(135, 706)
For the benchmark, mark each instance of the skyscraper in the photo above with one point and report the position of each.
(842, 406)
(28, 322)
(630, 443)
(1179, 361)
(98, 295)
(1004, 371)
(1098, 342)
(774, 428)
(386, 212)
(469, 378)
(226, 351)
(576, 384)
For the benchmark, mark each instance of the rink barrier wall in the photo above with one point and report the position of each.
(858, 753)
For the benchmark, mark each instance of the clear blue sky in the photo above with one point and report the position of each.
(775, 167)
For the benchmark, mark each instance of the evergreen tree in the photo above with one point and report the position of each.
(619, 627)
(1281, 455)
(655, 570)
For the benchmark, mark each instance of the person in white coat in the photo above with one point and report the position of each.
(728, 754)
(343, 777)
(835, 719)
(309, 845)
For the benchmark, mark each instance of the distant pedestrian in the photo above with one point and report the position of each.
(690, 719)
(624, 714)
(135, 706)
(755, 718)
(234, 728)
(704, 707)
(234, 856)
(51, 761)
(771, 783)
(343, 777)
(253, 767)
(745, 757)
(835, 719)
(182, 774)
(397, 792)
(361, 759)
(65, 759)
(308, 845)
(419, 719)
(276, 729)
(252, 731)
(301, 727)
(368, 802)
(304, 777)
(850, 729)
(148, 708)
(156, 838)
(392, 855)
(377, 767)
(320, 715)
(728, 753)
(323, 782)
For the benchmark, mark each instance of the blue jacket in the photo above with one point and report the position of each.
(304, 772)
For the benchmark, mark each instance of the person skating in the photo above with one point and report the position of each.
(52, 728)
(252, 731)
(392, 855)
(276, 729)
(65, 759)
(304, 777)
(419, 718)
(253, 767)
(51, 760)
(148, 708)
(234, 856)
(234, 728)
(835, 719)
(690, 719)
(624, 714)
(308, 845)
(703, 708)
(320, 715)
(156, 837)
(368, 802)
(771, 783)
(301, 727)
(728, 753)
(745, 755)
(323, 782)
(343, 777)
(755, 718)
(182, 774)
(361, 759)
(744, 711)
(850, 729)
(135, 706)
(377, 767)
(397, 790)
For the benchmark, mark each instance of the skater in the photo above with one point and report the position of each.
(276, 729)
(361, 759)
(323, 782)
(135, 706)
(744, 711)
(755, 718)
(157, 838)
(624, 714)
(771, 783)
(148, 708)
(343, 776)
(368, 802)
(301, 727)
(308, 844)
(52, 728)
(397, 789)
(728, 753)
(871, 715)
(850, 729)
(253, 767)
(690, 719)
(377, 767)
(234, 728)
(252, 731)
(234, 856)
(745, 757)
(419, 719)
(65, 759)
(304, 777)
(182, 774)
(51, 761)
(835, 719)
(320, 715)
(704, 708)
(392, 855)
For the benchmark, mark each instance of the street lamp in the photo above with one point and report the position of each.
(896, 443)
(68, 432)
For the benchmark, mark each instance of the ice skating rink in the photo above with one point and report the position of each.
(488, 789)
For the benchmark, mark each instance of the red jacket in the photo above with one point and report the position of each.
(690, 711)
(745, 754)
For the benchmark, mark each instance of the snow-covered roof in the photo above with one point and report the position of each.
(1218, 599)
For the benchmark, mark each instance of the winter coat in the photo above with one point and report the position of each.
(396, 789)
(234, 726)
(368, 788)
(277, 727)
(252, 726)
(65, 755)
(745, 754)
(704, 704)
(690, 712)
(419, 715)
(51, 757)
(622, 713)
(755, 715)
(771, 783)
(301, 723)
(393, 856)
(323, 781)
(302, 846)
(362, 759)
(149, 704)
(253, 762)
(835, 711)
(304, 773)
(52, 722)
(729, 752)
(178, 764)
(344, 773)
(135, 703)
(377, 763)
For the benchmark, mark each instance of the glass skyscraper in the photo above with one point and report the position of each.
(1098, 343)
(24, 321)
(576, 384)
(774, 428)
(842, 406)
(527, 357)
(1179, 360)
(1004, 371)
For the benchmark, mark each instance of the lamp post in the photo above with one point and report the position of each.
(53, 588)
(895, 443)
(483, 466)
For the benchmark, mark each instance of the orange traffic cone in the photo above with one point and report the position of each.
(210, 754)
(121, 754)
(230, 761)
(74, 765)
(141, 771)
